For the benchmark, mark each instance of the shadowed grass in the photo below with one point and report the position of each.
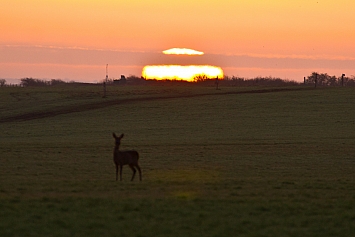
(256, 164)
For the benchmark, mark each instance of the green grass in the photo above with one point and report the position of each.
(215, 163)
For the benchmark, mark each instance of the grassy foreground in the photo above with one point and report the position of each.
(214, 163)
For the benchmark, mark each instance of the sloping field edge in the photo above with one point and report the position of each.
(103, 104)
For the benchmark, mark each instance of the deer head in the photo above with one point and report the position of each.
(117, 139)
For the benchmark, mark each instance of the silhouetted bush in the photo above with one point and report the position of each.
(33, 82)
(55, 82)
(2, 82)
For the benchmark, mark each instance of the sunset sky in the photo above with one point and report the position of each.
(75, 39)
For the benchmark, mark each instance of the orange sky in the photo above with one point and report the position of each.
(75, 39)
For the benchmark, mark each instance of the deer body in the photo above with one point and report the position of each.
(122, 158)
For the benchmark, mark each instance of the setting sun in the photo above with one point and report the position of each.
(178, 72)
(189, 73)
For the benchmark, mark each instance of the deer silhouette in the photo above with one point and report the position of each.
(122, 158)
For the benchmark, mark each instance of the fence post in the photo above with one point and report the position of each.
(342, 79)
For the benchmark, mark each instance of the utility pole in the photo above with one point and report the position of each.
(105, 81)
(106, 72)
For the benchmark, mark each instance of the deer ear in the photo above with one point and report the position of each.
(121, 135)
(114, 135)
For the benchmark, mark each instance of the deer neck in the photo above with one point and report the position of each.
(116, 149)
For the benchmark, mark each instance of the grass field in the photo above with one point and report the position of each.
(232, 162)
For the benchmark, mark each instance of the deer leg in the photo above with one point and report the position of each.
(116, 172)
(120, 172)
(140, 172)
(134, 171)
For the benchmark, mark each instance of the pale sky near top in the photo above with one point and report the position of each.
(75, 39)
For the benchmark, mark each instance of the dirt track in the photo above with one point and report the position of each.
(106, 103)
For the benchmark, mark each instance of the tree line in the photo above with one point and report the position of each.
(318, 79)
(29, 81)
(258, 81)
(39, 82)
(323, 79)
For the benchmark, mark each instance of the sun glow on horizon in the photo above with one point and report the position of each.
(188, 73)
(182, 51)
(178, 72)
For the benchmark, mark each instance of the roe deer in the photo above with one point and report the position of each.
(122, 158)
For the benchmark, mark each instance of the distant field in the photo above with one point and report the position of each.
(258, 161)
